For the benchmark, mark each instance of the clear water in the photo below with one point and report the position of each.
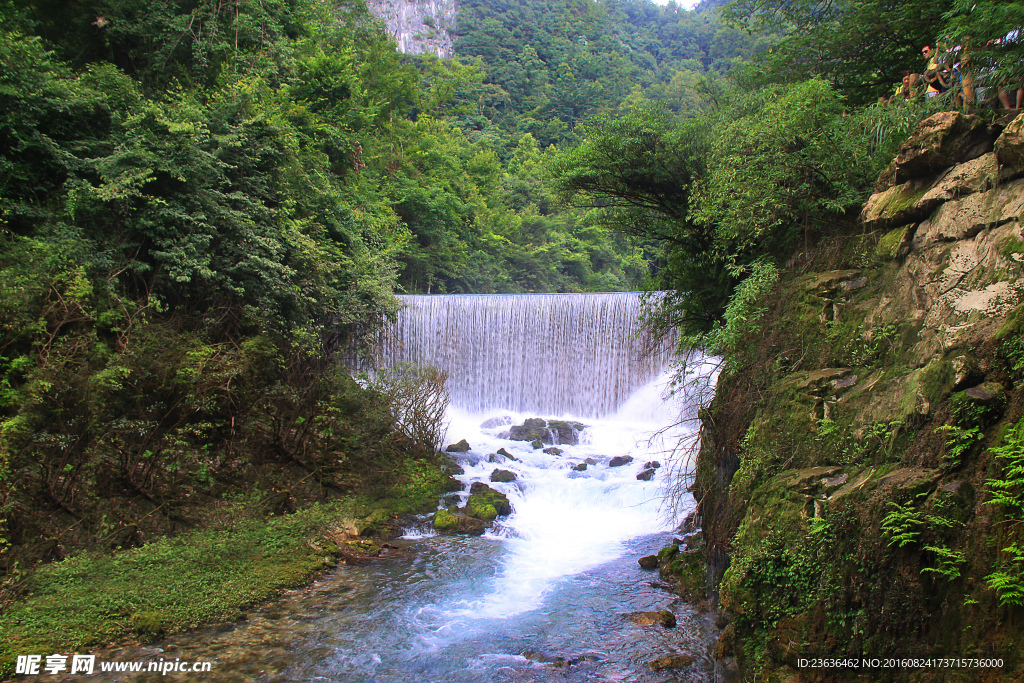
(557, 578)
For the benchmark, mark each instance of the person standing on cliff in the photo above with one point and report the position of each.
(933, 72)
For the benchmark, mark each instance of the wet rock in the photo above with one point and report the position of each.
(502, 451)
(451, 467)
(694, 541)
(535, 656)
(503, 476)
(533, 429)
(471, 527)
(646, 475)
(660, 618)
(653, 464)
(486, 503)
(460, 447)
(553, 451)
(566, 433)
(648, 562)
(582, 467)
(500, 421)
(620, 460)
(495, 458)
(671, 662)
(445, 521)
(537, 444)
(590, 461)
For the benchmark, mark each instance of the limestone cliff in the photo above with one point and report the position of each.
(860, 476)
(419, 26)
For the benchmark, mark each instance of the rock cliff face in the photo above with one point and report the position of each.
(418, 25)
(856, 476)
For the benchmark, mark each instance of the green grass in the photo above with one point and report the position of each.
(174, 584)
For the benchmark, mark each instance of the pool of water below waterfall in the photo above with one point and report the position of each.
(557, 578)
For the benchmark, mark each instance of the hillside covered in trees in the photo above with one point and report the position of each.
(203, 203)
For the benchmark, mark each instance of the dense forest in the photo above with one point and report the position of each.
(204, 202)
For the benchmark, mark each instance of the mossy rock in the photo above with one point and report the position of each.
(481, 510)
(503, 476)
(445, 521)
(686, 571)
(648, 562)
(460, 447)
(486, 503)
(567, 432)
(667, 554)
(533, 430)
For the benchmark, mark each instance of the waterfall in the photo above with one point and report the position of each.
(545, 354)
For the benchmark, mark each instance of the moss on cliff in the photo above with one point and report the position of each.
(846, 472)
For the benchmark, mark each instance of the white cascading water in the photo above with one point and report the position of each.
(564, 356)
(542, 354)
(558, 576)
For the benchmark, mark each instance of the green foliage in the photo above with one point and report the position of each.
(902, 526)
(171, 584)
(549, 64)
(1007, 491)
(861, 46)
(981, 28)
(781, 165)
(741, 315)
(959, 441)
(905, 524)
(1008, 579)
(949, 561)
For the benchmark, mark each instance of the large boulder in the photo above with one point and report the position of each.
(446, 522)
(486, 503)
(533, 429)
(938, 142)
(1009, 147)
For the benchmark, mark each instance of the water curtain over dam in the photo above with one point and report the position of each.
(545, 354)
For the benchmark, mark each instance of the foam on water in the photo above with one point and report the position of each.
(567, 521)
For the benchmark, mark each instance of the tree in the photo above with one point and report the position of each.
(860, 46)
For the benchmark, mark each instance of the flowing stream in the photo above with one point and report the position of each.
(546, 593)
